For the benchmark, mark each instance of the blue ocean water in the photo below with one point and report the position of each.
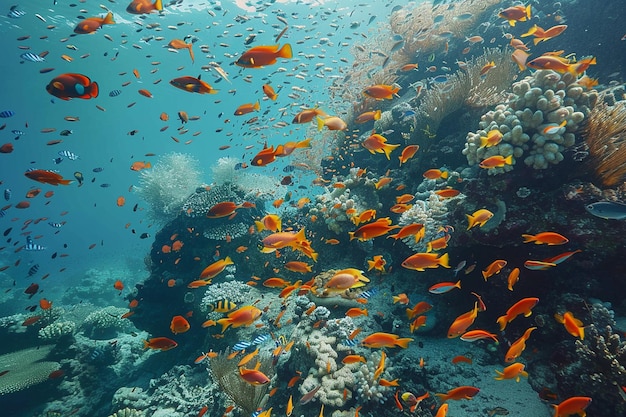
(91, 238)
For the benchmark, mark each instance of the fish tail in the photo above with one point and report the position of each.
(285, 51)
(530, 31)
(512, 22)
(158, 5)
(228, 261)
(225, 322)
(528, 12)
(537, 40)
(445, 174)
(502, 322)
(509, 160)
(320, 124)
(528, 238)
(377, 114)
(485, 139)
(304, 143)
(404, 342)
(108, 19)
(470, 221)
(259, 226)
(190, 47)
(65, 182)
(93, 90)
(443, 260)
(146, 344)
(256, 106)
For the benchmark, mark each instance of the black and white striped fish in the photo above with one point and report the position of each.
(29, 56)
(115, 93)
(69, 155)
(32, 246)
(260, 339)
(57, 160)
(15, 13)
(241, 345)
(33, 270)
(56, 225)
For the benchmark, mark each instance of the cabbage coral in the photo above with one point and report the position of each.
(166, 185)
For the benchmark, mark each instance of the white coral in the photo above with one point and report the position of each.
(168, 183)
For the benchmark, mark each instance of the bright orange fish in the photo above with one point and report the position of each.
(179, 325)
(91, 24)
(371, 230)
(407, 153)
(494, 268)
(390, 340)
(573, 326)
(421, 261)
(243, 316)
(193, 85)
(548, 238)
(512, 372)
(159, 343)
(518, 346)
(571, 406)
(47, 177)
(247, 108)
(215, 268)
(260, 56)
(461, 323)
(144, 6)
(459, 393)
(381, 91)
(180, 44)
(523, 306)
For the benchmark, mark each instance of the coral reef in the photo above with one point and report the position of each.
(166, 185)
(57, 330)
(25, 368)
(127, 412)
(105, 323)
(252, 184)
(246, 396)
(537, 124)
(605, 137)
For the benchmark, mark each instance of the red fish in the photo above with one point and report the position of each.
(264, 157)
(91, 24)
(67, 86)
(179, 325)
(260, 56)
(460, 393)
(159, 343)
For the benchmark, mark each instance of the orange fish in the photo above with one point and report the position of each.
(269, 92)
(260, 56)
(523, 306)
(159, 343)
(461, 358)
(222, 209)
(542, 35)
(120, 201)
(381, 91)
(512, 278)
(353, 359)
(486, 68)
(496, 161)
(46, 177)
(118, 285)
(512, 372)
(356, 312)
(275, 282)
(287, 149)
(371, 230)
(459, 393)
(447, 193)
(435, 174)
(332, 123)
(363, 217)
(573, 326)
(180, 44)
(547, 238)
(414, 229)
(494, 268)
(377, 262)
(519, 57)
(407, 153)
(91, 24)
(45, 304)
(518, 346)
(571, 406)
(492, 139)
(139, 165)
(179, 325)
(247, 108)
(367, 116)
(33, 193)
(193, 85)
(478, 218)
(345, 279)
(144, 6)
(264, 157)
(390, 340)
(307, 115)
(298, 266)
(516, 14)
(215, 268)
(419, 308)
(556, 64)
(376, 143)
(243, 316)
(462, 322)
(421, 261)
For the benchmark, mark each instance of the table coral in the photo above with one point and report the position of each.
(25, 368)
(538, 123)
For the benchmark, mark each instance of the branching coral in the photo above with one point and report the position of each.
(469, 88)
(166, 185)
(605, 136)
(246, 396)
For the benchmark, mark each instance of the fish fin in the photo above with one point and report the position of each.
(320, 124)
(108, 19)
(285, 51)
(158, 5)
(528, 12)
